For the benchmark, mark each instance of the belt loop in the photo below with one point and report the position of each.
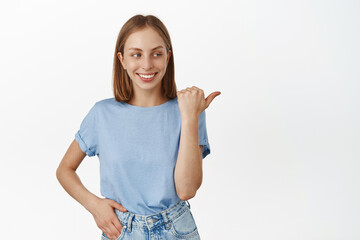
(129, 220)
(188, 203)
(166, 220)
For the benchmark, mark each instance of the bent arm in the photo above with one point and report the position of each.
(70, 181)
(188, 169)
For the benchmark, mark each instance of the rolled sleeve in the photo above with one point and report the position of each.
(203, 137)
(87, 135)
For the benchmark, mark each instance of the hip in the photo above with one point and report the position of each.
(175, 222)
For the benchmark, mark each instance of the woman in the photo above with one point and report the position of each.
(150, 140)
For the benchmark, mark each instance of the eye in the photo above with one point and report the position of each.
(135, 54)
(158, 54)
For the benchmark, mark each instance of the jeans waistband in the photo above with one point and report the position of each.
(129, 219)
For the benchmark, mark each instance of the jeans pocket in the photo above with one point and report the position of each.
(104, 237)
(184, 226)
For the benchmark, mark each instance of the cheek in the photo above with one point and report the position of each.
(131, 65)
(161, 63)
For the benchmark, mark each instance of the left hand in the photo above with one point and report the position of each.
(192, 101)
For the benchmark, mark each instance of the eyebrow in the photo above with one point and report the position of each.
(138, 49)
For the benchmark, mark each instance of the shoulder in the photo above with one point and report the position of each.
(99, 105)
(107, 102)
(108, 106)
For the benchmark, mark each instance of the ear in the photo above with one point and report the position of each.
(168, 57)
(121, 58)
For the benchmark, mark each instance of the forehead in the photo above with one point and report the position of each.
(145, 39)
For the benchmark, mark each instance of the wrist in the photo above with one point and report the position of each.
(190, 118)
(91, 202)
(190, 121)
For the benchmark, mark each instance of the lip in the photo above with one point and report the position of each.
(147, 73)
(147, 79)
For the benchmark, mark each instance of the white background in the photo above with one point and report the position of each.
(284, 133)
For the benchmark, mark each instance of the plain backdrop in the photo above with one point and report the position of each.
(284, 133)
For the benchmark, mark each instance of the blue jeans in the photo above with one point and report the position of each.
(175, 222)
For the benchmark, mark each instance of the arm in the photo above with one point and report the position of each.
(101, 209)
(69, 180)
(188, 169)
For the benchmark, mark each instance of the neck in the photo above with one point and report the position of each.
(148, 100)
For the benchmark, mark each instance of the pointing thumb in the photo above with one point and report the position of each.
(211, 97)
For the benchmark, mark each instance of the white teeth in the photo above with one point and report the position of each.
(147, 76)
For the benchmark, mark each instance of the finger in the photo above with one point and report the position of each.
(198, 90)
(118, 224)
(114, 233)
(182, 91)
(193, 88)
(211, 97)
(117, 206)
(107, 231)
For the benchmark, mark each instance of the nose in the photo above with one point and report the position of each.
(146, 63)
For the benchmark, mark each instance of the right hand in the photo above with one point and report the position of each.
(106, 218)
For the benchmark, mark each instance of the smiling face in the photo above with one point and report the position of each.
(145, 59)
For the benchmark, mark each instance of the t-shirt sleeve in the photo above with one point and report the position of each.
(203, 137)
(87, 135)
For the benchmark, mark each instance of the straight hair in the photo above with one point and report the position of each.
(122, 84)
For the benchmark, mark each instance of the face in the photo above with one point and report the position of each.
(145, 59)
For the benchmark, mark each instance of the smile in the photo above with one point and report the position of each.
(147, 76)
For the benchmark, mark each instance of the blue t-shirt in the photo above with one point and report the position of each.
(137, 148)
